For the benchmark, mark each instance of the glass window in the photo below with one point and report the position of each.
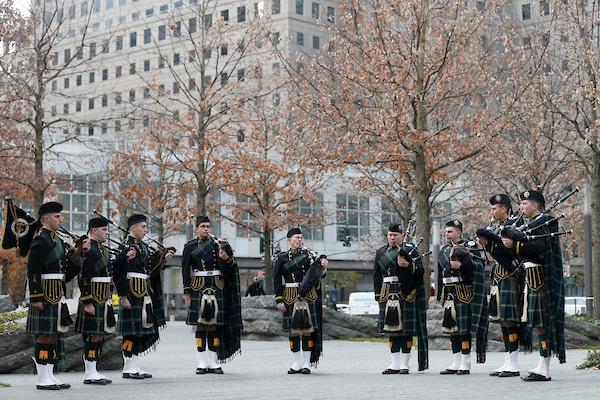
(352, 216)
(276, 7)
(83, 9)
(192, 25)
(164, 8)
(248, 226)
(544, 8)
(162, 32)
(312, 227)
(147, 35)
(132, 39)
(300, 7)
(241, 14)
(316, 43)
(526, 12)
(331, 14)
(225, 15)
(315, 10)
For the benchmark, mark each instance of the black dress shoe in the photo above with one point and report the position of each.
(463, 372)
(305, 371)
(292, 371)
(48, 387)
(403, 372)
(390, 371)
(495, 373)
(94, 382)
(127, 375)
(218, 371)
(449, 372)
(507, 374)
(63, 385)
(108, 381)
(201, 371)
(146, 375)
(533, 377)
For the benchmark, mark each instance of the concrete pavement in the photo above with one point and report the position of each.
(348, 370)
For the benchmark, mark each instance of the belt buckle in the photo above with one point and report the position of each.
(209, 273)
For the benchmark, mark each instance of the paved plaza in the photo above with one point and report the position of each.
(348, 370)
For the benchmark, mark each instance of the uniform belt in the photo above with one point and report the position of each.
(452, 279)
(102, 279)
(390, 279)
(136, 275)
(295, 284)
(46, 277)
(207, 273)
(528, 264)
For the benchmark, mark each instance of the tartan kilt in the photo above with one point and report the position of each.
(463, 316)
(91, 325)
(463, 309)
(408, 313)
(43, 322)
(130, 321)
(287, 316)
(195, 300)
(509, 299)
(535, 308)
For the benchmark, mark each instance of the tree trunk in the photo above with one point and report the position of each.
(422, 184)
(596, 231)
(202, 187)
(268, 267)
(423, 215)
(38, 151)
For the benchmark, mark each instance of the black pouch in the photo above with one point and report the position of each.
(449, 322)
(111, 322)
(65, 317)
(149, 314)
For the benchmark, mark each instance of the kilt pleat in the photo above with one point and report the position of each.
(130, 320)
(44, 322)
(91, 325)
(509, 294)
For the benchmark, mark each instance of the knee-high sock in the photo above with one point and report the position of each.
(455, 343)
(307, 343)
(90, 350)
(129, 347)
(200, 341)
(543, 342)
(42, 353)
(465, 344)
(213, 341)
(295, 344)
(406, 343)
(395, 344)
(513, 338)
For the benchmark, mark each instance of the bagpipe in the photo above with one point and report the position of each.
(156, 253)
(525, 231)
(407, 248)
(223, 244)
(20, 228)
